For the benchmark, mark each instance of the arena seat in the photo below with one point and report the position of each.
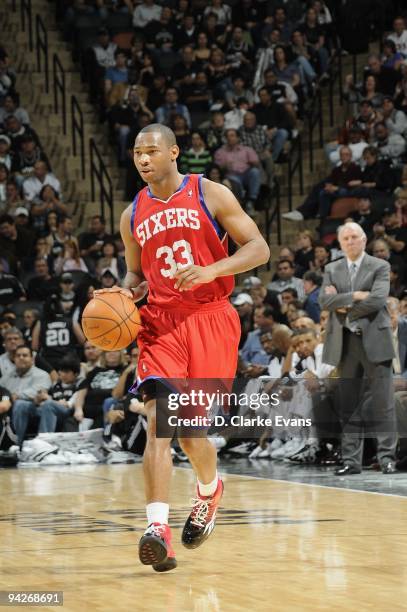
(342, 207)
(123, 39)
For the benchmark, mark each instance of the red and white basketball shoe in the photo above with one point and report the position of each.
(155, 548)
(201, 521)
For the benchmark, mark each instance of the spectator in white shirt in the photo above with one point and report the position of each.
(25, 384)
(146, 12)
(286, 278)
(32, 186)
(395, 120)
(104, 49)
(357, 144)
(399, 36)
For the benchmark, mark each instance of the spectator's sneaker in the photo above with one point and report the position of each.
(287, 449)
(307, 455)
(294, 215)
(155, 548)
(245, 448)
(178, 455)
(265, 453)
(201, 521)
(217, 441)
(258, 453)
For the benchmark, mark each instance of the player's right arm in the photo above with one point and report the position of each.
(134, 284)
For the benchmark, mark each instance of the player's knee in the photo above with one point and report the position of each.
(191, 445)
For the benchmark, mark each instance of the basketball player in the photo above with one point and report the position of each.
(176, 247)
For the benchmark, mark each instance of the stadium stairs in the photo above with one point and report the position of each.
(31, 85)
(49, 125)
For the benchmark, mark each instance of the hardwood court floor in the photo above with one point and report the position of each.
(278, 546)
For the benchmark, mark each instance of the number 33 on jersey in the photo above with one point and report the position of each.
(174, 233)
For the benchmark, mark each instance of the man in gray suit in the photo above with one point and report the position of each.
(359, 343)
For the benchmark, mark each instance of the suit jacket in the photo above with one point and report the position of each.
(370, 315)
(402, 338)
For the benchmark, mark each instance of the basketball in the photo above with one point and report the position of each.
(111, 321)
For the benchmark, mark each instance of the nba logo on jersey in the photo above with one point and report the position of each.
(190, 192)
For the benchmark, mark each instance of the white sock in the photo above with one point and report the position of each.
(157, 512)
(206, 490)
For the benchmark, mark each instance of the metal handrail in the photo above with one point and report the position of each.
(41, 43)
(294, 163)
(26, 12)
(78, 130)
(315, 117)
(98, 171)
(335, 75)
(59, 86)
(272, 213)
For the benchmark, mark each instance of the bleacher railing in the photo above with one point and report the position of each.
(100, 175)
(78, 132)
(59, 89)
(26, 19)
(294, 165)
(315, 118)
(335, 79)
(273, 213)
(41, 44)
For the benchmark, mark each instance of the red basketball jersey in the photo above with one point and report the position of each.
(177, 232)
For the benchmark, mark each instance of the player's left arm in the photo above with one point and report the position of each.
(253, 250)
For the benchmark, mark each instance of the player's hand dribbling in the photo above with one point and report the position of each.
(135, 294)
(190, 276)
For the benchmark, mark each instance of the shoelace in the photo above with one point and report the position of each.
(200, 510)
(157, 530)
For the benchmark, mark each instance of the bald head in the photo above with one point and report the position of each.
(165, 132)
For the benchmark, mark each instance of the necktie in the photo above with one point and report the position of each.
(352, 274)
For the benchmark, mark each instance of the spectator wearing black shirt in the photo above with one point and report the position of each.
(216, 134)
(15, 130)
(315, 36)
(185, 71)
(11, 107)
(365, 216)
(387, 78)
(16, 241)
(26, 157)
(124, 116)
(156, 94)
(157, 27)
(394, 234)
(239, 53)
(42, 285)
(56, 404)
(340, 181)
(91, 242)
(187, 32)
(198, 97)
(94, 397)
(56, 335)
(390, 146)
(11, 290)
(275, 118)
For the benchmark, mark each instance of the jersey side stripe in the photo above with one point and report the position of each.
(220, 231)
(133, 212)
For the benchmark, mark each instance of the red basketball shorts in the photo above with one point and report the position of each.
(188, 344)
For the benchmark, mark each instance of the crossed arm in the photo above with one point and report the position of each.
(357, 303)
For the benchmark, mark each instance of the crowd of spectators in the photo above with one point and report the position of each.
(231, 81)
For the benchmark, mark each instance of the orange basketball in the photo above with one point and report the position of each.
(111, 321)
